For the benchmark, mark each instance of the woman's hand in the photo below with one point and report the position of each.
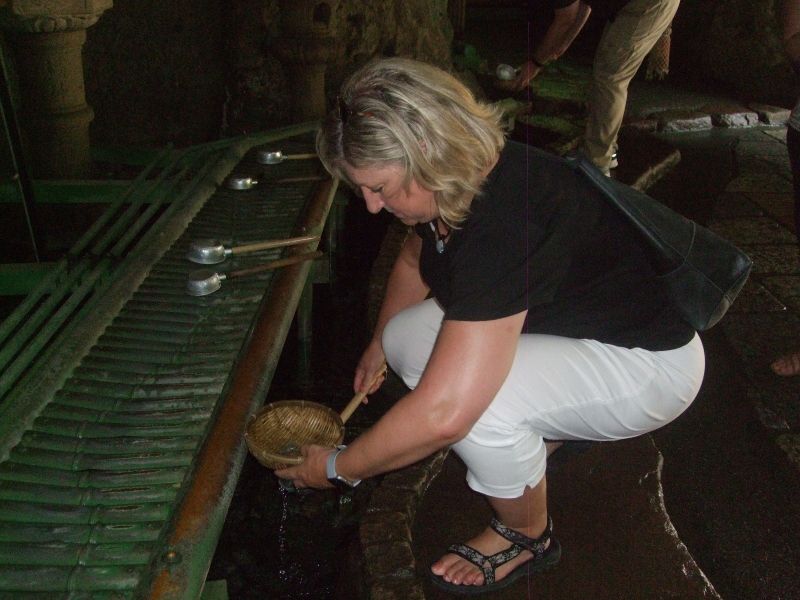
(311, 472)
(371, 362)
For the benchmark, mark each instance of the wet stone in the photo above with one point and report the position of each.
(393, 559)
(790, 443)
(392, 500)
(754, 297)
(731, 116)
(396, 589)
(786, 288)
(778, 134)
(683, 120)
(769, 418)
(752, 230)
(412, 479)
(771, 115)
(641, 125)
(735, 204)
(757, 182)
(774, 259)
(379, 528)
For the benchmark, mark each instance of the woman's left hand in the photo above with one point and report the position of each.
(311, 472)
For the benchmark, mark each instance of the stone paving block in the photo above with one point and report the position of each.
(790, 443)
(730, 115)
(786, 288)
(777, 133)
(383, 527)
(754, 297)
(396, 589)
(768, 417)
(641, 124)
(735, 204)
(394, 559)
(779, 206)
(682, 120)
(774, 259)
(760, 182)
(752, 230)
(385, 499)
(758, 149)
(769, 114)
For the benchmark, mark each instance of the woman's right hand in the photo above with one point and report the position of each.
(371, 362)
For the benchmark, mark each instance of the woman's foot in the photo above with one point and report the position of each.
(459, 571)
(787, 365)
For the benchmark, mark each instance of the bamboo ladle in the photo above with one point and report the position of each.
(203, 282)
(211, 252)
(275, 434)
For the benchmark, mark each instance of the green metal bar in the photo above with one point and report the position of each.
(21, 312)
(29, 327)
(48, 330)
(144, 218)
(79, 534)
(71, 192)
(19, 279)
(60, 554)
(113, 232)
(101, 222)
(125, 155)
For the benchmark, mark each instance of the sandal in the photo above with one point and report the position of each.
(543, 559)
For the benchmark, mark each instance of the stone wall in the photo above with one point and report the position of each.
(735, 45)
(188, 71)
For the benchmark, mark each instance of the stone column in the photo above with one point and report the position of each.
(305, 47)
(47, 38)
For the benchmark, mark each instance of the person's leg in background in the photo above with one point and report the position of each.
(789, 364)
(625, 43)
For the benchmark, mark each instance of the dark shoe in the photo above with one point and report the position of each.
(543, 559)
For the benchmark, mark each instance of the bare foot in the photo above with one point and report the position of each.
(454, 569)
(788, 364)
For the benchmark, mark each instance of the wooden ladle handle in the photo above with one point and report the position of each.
(359, 397)
(269, 244)
(275, 264)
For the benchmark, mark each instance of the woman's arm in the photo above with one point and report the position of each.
(404, 288)
(567, 23)
(469, 363)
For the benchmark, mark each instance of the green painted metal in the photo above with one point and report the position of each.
(103, 423)
(18, 279)
(105, 191)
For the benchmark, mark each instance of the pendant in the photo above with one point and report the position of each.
(440, 246)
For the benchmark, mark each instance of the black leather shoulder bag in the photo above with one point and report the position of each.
(702, 272)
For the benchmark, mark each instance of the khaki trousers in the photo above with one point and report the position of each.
(625, 43)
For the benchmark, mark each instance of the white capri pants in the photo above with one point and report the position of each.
(558, 389)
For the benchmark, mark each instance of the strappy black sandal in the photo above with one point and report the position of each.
(543, 559)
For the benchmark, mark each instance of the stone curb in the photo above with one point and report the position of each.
(385, 531)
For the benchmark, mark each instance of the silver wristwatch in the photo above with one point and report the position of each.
(332, 475)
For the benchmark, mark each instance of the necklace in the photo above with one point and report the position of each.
(440, 239)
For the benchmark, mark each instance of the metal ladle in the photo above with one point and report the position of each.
(241, 183)
(205, 281)
(212, 252)
(274, 157)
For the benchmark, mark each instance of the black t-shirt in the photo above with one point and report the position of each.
(540, 238)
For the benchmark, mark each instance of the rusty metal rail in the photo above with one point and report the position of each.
(121, 437)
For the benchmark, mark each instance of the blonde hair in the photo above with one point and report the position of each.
(415, 115)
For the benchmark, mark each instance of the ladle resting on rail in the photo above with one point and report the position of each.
(211, 252)
(203, 282)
